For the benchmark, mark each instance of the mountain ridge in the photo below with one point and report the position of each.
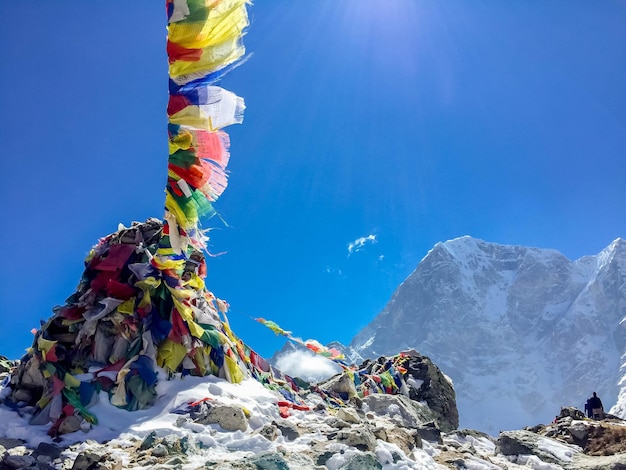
(510, 321)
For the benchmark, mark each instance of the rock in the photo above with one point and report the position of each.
(323, 457)
(366, 461)
(579, 431)
(270, 461)
(49, 450)
(430, 432)
(159, 450)
(360, 437)
(175, 461)
(341, 384)
(109, 465)
(333, 422)
(302, 462)
(609, 462)
(269, 432)
(229, 418)
(9, 443)
(18, 461)
(149, 441)
(404, 439)
(528, 443)
(87, 460)
(349, 415)
(380, 433)
(44, 461)
(28, 382)
(435, 389)
(287, 429)
(69, 424)
(22, 395)
(571, 412)
(173, 444)
(6, 364)
(402, 410)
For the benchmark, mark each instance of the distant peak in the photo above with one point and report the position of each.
(459, 247)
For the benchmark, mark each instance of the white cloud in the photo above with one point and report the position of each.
(307, 366)
(359, 243)
(331, 270)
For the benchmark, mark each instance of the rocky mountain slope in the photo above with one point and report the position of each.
(206, 422)
(521, 331)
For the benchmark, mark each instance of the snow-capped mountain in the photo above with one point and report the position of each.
(521, 331)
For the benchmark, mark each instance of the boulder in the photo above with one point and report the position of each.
(341, 384)
(434, 388)
(516, 443)
(287, 429)
(229, 418)
(400, 409)
(365, 461)
(357, 436)
(349, 415)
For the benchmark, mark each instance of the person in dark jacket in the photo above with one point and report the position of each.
(594, 407)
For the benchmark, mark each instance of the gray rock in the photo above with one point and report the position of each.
(404, 439)
(270, 461)
(160, 450)
(69, 424)
(349, 415)
(88, 459)
(301, 461)
(430, 432)
(149, 441)
(269, 432)
(175, 444)
(31, 376)
(360, 437)
(287, 429)
(579, 430)
(175, 461)
(366, 461)
(341, 383)
(9, 443)
(22, 395)
(6, 364)
(44, 461)
(322, 457)
(529, 443)
(608, 462)
(380, 433)
(49, 450)
(516, 442)
(229, 418)
(18, 461)
(436, 390)
(334, 422)
(404, 411)
(571, 412)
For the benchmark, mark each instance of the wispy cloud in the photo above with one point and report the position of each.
(359, 243)
(332, 270)
(307, 366)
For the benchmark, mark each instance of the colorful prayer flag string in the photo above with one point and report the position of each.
(331, 353)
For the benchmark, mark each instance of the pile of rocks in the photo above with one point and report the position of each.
(370, 433)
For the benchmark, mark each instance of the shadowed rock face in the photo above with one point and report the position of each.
(424, 394)
(521, 331)
(436, 390)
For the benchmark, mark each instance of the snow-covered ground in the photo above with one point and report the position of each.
(121, 428)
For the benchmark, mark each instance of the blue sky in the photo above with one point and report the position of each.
(383, 127)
